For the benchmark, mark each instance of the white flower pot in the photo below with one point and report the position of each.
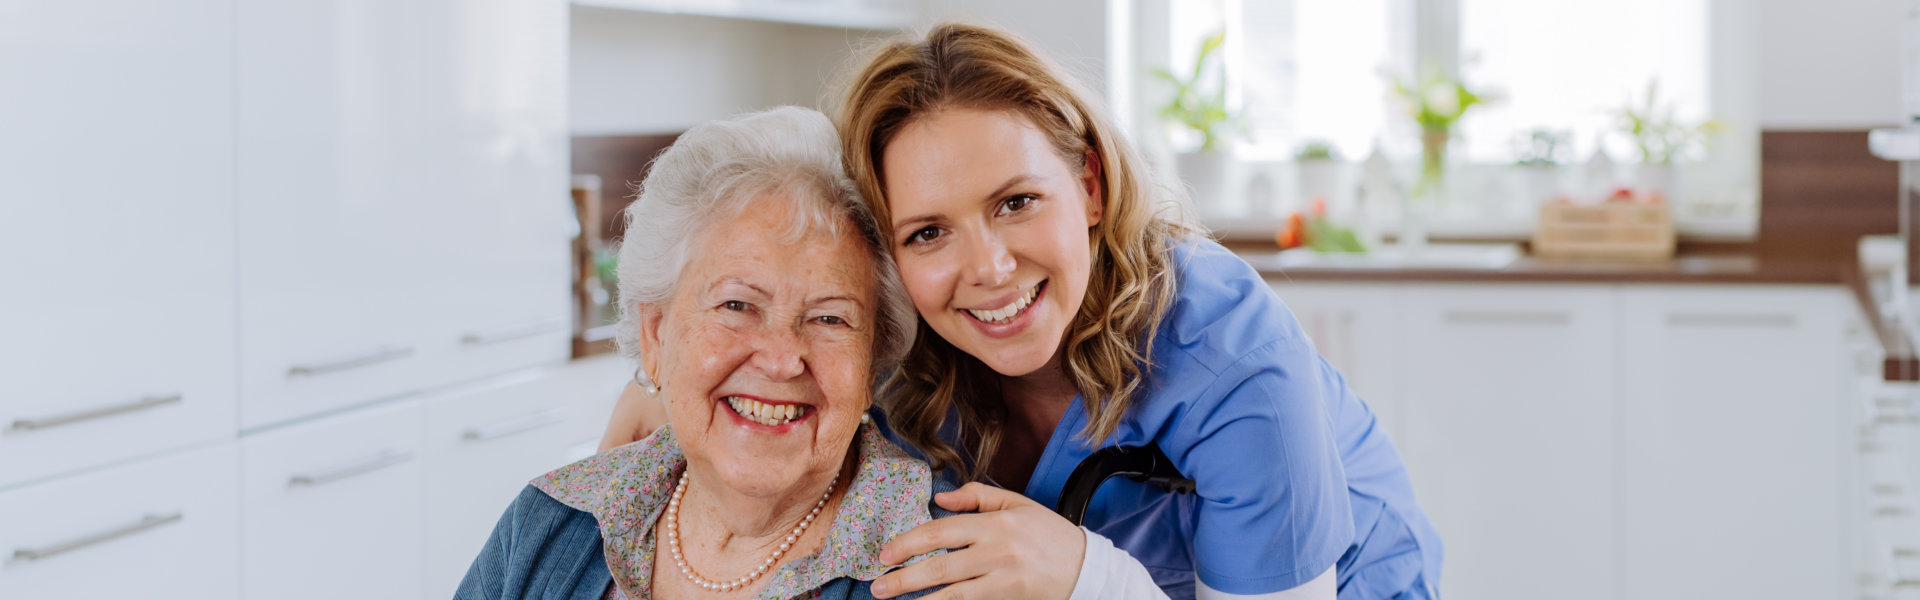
(1653, 180)
(1541, 183)
(1209, 180)
(1325, 180)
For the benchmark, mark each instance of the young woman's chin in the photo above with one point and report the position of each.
(1017, 355)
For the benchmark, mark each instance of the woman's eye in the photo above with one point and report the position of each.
(924, 235)
(1015, 204)
(734, 305)
(831, 320)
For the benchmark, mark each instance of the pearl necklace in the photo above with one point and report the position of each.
(673, 540)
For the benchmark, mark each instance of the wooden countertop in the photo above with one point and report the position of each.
(1705, 263)
(1695, 264)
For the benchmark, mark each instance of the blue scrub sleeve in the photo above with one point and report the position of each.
(1274, 511)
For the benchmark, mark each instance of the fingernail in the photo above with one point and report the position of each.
(879, 588)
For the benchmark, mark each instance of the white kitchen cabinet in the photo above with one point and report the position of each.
(1732, 464)
(850, 14)
(403, 177)
(332, 267)
(1356, 327)
(1510, 413)
(484, 442)
(332, 508)
(162, 528)
(116, 221)
(497, 210)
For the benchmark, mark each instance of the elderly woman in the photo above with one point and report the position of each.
(758, 299)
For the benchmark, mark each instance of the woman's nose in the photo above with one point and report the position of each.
(780, 353)
(990, 262)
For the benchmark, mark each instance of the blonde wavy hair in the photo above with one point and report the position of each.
(1131, 284)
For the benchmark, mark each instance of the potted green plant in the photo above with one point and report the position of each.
(1320, 169)
(1198, 109)
(1661, 138)
(1537, 155)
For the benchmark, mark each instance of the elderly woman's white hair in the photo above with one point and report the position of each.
(713, 172)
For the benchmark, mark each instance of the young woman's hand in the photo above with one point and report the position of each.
(1011, 547)
(636, 416)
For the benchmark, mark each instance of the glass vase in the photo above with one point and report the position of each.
(1430, 192)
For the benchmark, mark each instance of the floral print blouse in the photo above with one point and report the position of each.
(626, 489)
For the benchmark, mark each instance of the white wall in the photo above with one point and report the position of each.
(1830, 64)
(635, 72)
(1073, 33)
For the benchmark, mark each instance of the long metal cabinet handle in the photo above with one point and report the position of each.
(551, 416)
(482, 338)
(1508, 317)
(368, 358)
(51, 550)
(386, 458)
(95, 413)
(1778, 321)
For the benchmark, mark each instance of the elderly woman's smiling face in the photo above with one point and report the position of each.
(764, 351)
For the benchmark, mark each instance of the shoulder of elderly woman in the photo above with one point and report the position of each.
(544, 548)
(539, 549)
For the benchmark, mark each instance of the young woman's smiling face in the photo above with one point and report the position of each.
(991, 230)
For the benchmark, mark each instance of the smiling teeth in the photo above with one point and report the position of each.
(771, 415)
(1005, 314)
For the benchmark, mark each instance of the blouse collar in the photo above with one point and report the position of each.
(626, 488)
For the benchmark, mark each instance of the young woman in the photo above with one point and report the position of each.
(1065, 309)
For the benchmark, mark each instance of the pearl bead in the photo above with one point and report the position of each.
(673, 538)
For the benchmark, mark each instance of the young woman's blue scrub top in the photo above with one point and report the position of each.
(1292, 472)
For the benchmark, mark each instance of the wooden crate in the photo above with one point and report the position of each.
(1611, 230)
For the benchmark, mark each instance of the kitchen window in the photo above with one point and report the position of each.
(1300, 71)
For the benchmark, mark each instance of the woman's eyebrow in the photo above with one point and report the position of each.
(835, 298)
(739, 282)
(1000, 192)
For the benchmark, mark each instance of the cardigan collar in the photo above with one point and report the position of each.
(627, 488)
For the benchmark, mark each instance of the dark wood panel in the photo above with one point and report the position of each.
(1820, 191)
(621, 162)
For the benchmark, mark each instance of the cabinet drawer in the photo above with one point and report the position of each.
(482, 346)
(484, 442)
(332, 508)
(159, 528)
(85, 423)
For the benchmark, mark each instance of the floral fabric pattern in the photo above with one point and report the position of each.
(627, 488)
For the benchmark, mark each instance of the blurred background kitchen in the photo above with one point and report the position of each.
(296, 294)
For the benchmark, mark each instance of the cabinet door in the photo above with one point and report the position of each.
(1509, 413)
(497, 202)
(1732, 483)
(1356, 327)
(333, 507)
(485, 441)
(331, 155)
(116, 223)
(162, 528)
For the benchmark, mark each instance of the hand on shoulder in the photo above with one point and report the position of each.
(1008, 546)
